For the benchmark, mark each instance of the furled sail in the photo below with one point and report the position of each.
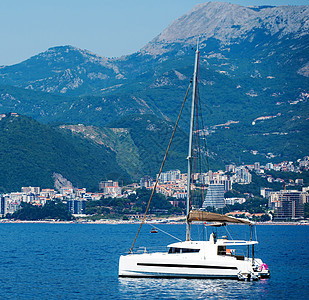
(204, 216)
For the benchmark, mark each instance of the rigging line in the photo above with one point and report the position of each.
(196, 120)
(201, 117)
(200, 162)
(205, 140)
(164, 232)
(195, 153)
(198, 147)
(196, 131)
(228, 232)
(228, 207)
(199, 155)
(154, 187)
(196, 113)
(201, 182)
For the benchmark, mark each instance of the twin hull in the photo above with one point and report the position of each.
(191, 265)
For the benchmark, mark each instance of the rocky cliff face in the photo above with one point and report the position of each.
(231, 23)
(61, 182)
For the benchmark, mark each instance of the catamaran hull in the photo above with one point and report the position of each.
(172, 266)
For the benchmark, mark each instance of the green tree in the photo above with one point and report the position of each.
(51, 210)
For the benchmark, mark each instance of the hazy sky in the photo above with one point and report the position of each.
(108, 28)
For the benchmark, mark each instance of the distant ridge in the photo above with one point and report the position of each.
(254, 79)
(61, 70)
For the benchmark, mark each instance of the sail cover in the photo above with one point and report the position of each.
(204, 216)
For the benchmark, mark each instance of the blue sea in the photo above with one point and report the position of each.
(80, 261)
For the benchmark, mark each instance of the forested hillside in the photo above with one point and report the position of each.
(30, 153)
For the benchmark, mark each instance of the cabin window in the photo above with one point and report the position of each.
(182, 250)
(221, 250)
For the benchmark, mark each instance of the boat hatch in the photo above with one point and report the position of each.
(182, 250)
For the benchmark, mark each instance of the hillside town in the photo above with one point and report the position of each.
(286, 204)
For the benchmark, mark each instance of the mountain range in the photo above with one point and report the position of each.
(254, 78)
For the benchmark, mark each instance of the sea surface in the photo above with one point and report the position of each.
(80, 261)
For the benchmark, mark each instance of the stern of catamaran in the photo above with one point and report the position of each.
(262, 268)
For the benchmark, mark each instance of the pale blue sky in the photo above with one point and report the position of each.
(108, 28)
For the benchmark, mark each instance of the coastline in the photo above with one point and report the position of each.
(120, 222)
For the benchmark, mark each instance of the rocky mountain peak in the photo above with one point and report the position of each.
(69, 54)
(229, 23)
(60, 69)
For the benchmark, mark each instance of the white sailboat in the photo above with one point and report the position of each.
(215, 258)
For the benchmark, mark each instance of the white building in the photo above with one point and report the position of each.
(110, 188)
(232, 201)
(265, 192)
(172, 175)
(31, 189)
(242, 175)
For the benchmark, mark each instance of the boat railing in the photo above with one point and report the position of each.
(140, 250)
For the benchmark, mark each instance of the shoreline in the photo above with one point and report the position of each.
(123, 222)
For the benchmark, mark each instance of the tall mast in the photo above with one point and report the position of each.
(188, 235)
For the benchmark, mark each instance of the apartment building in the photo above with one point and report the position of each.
(287, 204)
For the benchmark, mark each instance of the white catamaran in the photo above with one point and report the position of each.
(214, 258)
